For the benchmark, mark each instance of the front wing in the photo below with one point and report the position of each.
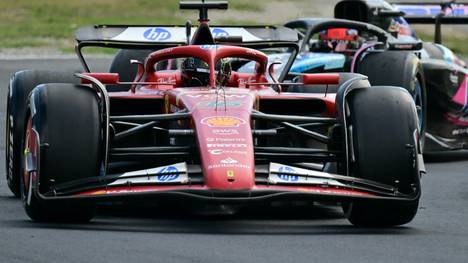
(274, 183)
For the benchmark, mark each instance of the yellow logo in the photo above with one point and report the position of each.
(230, 174)
(223, 121)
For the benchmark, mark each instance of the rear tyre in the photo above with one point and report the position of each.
(21, 85)
(66, 122)
(382, 123)
(400, 69)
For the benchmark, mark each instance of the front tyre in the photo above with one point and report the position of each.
(382, 124)
(63, 143)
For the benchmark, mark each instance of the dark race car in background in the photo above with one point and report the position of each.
(339, 45)
(191, 128)
(331, 45)
(445, 75)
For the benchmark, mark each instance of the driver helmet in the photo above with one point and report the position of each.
(400, 26)
(339, 39)
(195, 72)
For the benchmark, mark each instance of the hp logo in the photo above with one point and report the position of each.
(157, 34)
(168, 174)
(217, 32)
(287, 177)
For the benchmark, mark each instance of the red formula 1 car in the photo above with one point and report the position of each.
(192, 128)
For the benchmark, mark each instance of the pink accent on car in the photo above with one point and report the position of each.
(461, 95)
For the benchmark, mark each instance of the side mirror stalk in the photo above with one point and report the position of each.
(271, 72)
(139, 75)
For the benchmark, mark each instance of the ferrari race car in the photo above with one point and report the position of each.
(192, 128)
(438, 82)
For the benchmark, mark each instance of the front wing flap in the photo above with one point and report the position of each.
(175, 182)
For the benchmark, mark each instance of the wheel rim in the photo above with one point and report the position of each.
(30, 148)
(419, 102)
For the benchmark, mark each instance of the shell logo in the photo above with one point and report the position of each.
(223, 121)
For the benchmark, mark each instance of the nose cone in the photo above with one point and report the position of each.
(226, 149)
(224, 137)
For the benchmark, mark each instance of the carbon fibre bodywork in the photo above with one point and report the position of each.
(445, 74)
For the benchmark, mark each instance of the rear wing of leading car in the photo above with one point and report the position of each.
(156, 37)
(437, 13)
(153, 35)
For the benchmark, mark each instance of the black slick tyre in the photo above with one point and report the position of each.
(63, 137)
(382, 123)
(21, 85)
(400, 69)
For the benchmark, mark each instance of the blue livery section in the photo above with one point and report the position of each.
(305, 62)
(432, 10)
(310, 61)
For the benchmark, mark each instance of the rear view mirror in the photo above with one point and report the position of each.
(104, 78)
(410, 46)
(320, 79)
(390, 13)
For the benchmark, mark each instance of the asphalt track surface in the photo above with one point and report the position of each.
(439, 233)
